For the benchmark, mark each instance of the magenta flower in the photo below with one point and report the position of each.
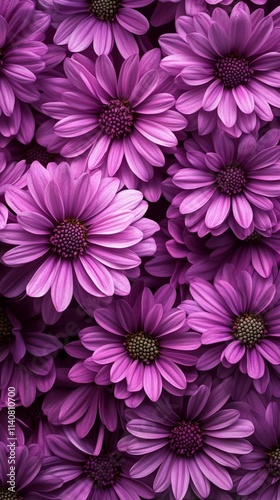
(100, 24)
(79, 236)
(229, 183)
(22, 29)
(260, 250)
(191, 440)
(238, 317)
(90, 476)
(80, 402)
(228, 79)
(120, 123)
(260, 473)
(31, 481)
(141, 340)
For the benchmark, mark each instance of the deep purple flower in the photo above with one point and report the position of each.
(191, 440)
(11, 173)
(260, 473)
(227, 182)
(100, 24)
(26, 352)
(142, 340)
(31, 481)
(79, 235)
(89, 476)
(121, 123)
(260, 250)
(228, 79)
(238, 317)
(22, 29)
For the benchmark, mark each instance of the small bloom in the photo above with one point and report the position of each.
(143, 340)
(238, 317)
(229, 183)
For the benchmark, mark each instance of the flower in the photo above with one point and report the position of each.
(238, 317)
(191, 440)
(31, 481)
(26, 351)
(121, 123)
(229, 80)
(229, 183)
(100, 23)
(142, 340)
(92, 476)
(77, 236)
(22, 53)
(260, 472)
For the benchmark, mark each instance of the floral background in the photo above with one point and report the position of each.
(140, 249)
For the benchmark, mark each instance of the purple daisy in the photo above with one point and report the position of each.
(142, 340)
(77, 402)
(118, 120)
(229, 183)
(260, 473)
(260, 250)
(238, 317)
(229, 80)
(191, 440)
(31, 481)
(100, 23)
(26, 352)
(12, 173)
(77, 236)
(22, 53)
(93, 477)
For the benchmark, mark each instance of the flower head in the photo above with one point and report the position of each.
(183, 438)
(121, 123)
(229, 80)
(142, 340)
(78, 236)
(229, 183)
(238, 319)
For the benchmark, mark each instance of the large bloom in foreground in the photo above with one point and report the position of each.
(114, 120)
(100, 24)
(228, 79)
(77, 236)
(192, 439)
(142, 340)
(229, 183)
(238, 317)
(22, 29)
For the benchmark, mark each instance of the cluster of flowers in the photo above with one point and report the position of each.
(140, 249)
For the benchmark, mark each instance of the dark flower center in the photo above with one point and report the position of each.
(6, 328)
(186, 438)
(231, 180)
(104, 9)
(143, 347)
(249, 328)
(103, 470)
(233, 70)
(273, 462)
(34, 152)
(117, 119)
(254, 237)
(69, 239)
(5, 494)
